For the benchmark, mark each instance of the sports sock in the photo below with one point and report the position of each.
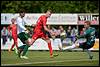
(25, 50)
(50, 48)
(12, 46)
(16, 45)
(22, 47)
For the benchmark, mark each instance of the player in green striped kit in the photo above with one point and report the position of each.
(22, 35)
(89, 34)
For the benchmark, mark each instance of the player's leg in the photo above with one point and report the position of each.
(25, 49)
(28, 42)
(24, 52)
(12, 45)
(85, 46)
(23, 37)
(46, 38)
(16, 44)
(76, 44)
(49, 46)
(89, 51)
(59, 43)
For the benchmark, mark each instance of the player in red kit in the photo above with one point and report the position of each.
(40, 31)
(13, 27)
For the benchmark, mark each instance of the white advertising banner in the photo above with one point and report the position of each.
(39, 44)
(6, 18)
(63, 19)
(55, 19)
(94, 18)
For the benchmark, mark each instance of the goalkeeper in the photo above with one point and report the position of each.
(89, 35)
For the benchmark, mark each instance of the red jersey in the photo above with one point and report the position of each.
(39, 28)
(14, 29)
(40, 23)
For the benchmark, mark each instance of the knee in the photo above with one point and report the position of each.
(30, 41)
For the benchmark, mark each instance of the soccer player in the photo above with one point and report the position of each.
(22, 33)
(40, 31)
(13, 28)
(89, 34)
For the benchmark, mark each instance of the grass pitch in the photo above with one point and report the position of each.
(42, 58)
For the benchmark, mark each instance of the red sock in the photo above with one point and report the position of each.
(12, 46)
(50, 48)
(16, 45)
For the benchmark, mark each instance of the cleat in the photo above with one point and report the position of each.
(53, 55)
(15, 50)
(19, 54)
(23, 57)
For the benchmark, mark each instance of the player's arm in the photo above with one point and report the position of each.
(82, 36)
(51, 32)
(86, 33)
(45, 27)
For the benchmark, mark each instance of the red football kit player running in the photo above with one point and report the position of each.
(40, 29)
(13, 27)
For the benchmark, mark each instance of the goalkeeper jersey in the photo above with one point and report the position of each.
(89, 34)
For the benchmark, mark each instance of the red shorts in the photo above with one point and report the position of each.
(37, 35)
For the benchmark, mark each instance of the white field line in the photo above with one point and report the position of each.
(45, 62)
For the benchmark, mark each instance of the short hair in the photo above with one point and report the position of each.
(13, 19)
(21, 11)
(88, 22)
(49, 10)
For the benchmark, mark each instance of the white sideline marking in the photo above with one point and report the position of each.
(45, 62)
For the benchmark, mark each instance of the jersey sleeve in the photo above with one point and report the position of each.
(87, 33)
(44, 21)
(84, 35)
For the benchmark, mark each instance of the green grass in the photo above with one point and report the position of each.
(42, 58)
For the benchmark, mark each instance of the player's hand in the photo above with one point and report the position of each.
(26, 31)
(52, 33)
